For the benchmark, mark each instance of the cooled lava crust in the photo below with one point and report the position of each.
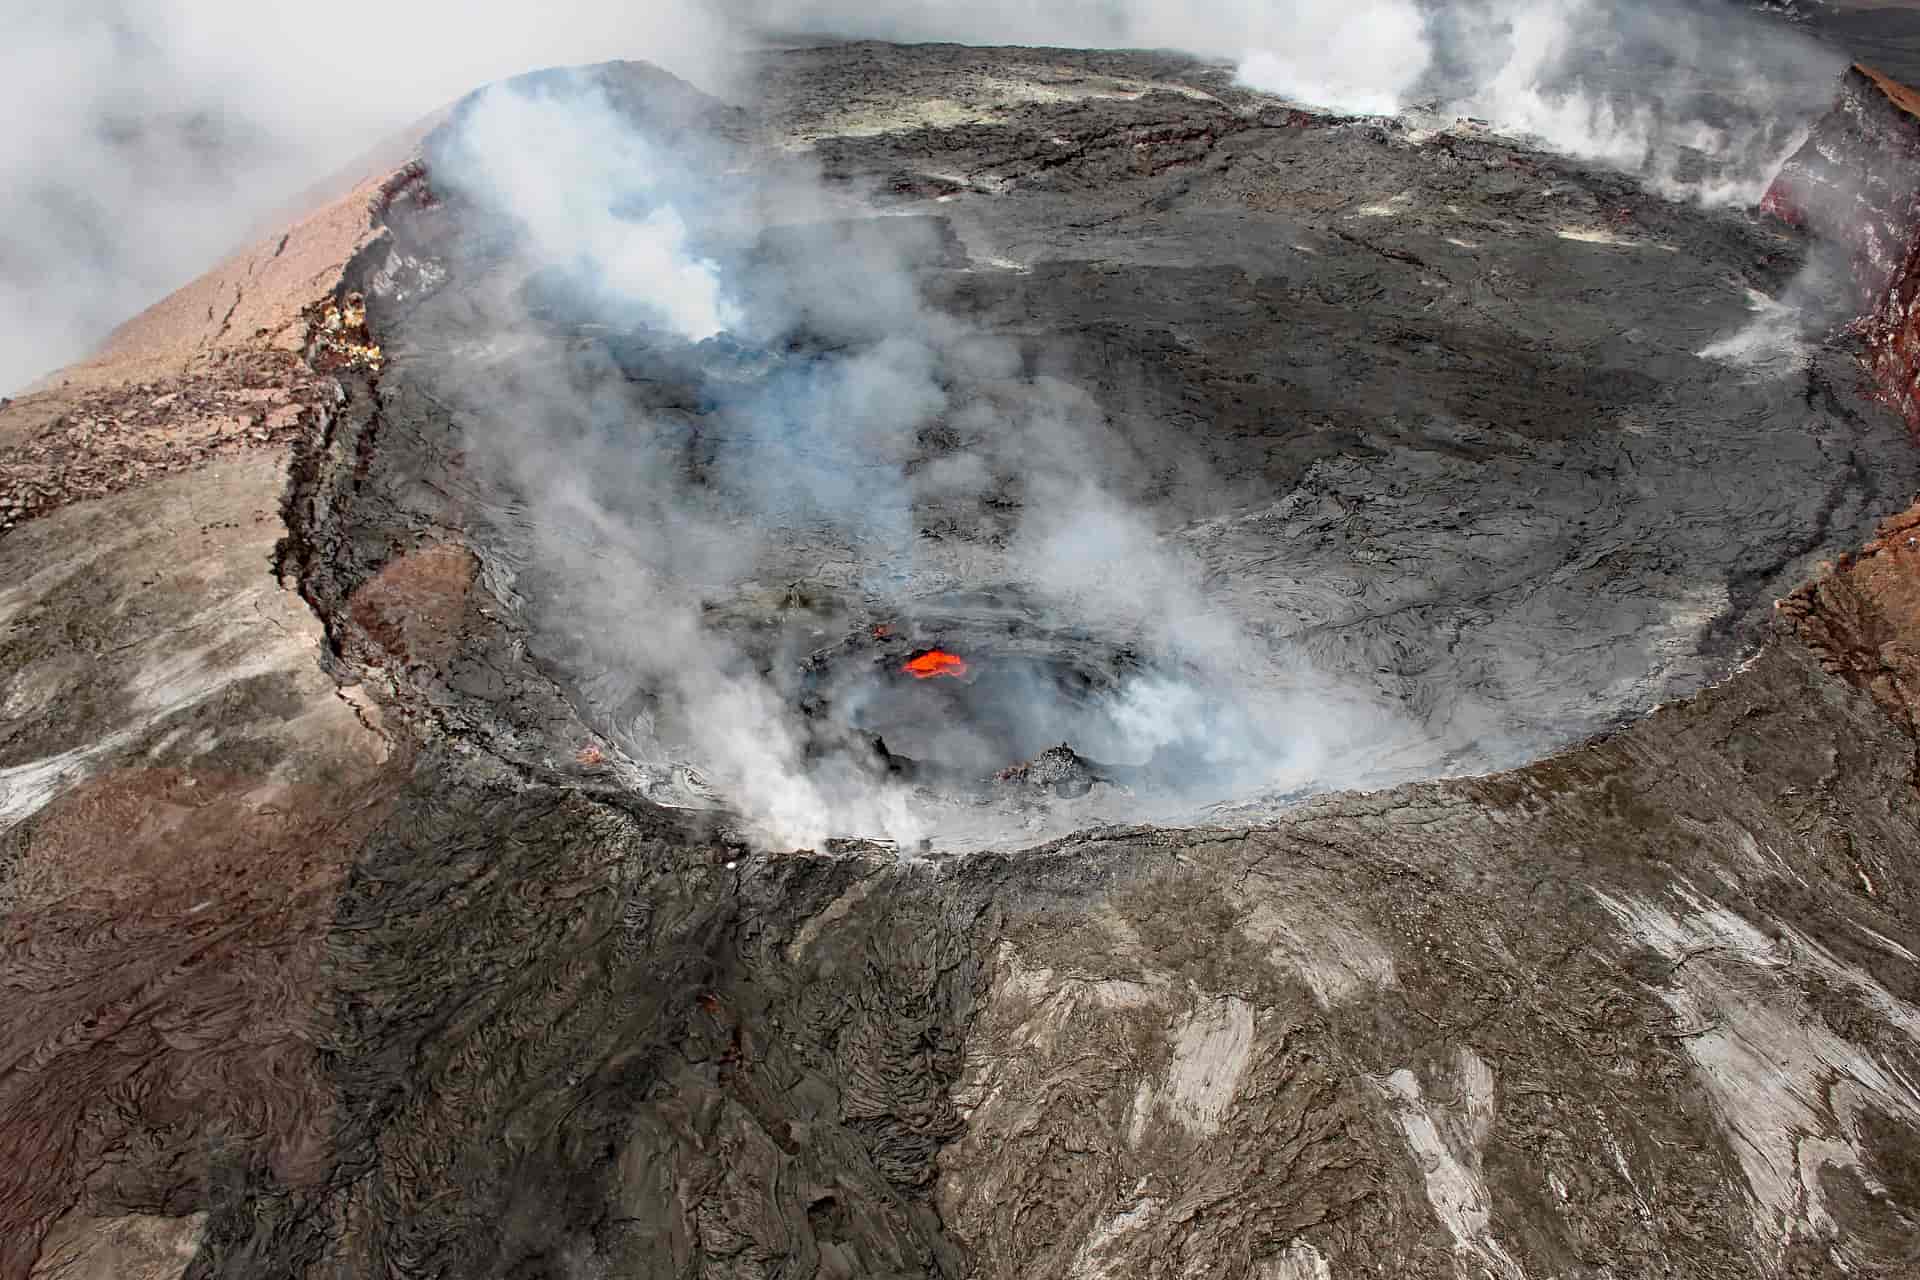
(1425, 415)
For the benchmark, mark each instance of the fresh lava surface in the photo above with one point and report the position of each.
(935, 662)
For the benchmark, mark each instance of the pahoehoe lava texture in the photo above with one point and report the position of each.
(1426, 410)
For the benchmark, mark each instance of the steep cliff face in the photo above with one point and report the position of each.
(1856, 180)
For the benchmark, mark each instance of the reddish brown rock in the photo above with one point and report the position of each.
(161, 942)
(181, 786)
(410, 609)
(1863, 618)
(71, 445)
(235, 360)
(1856, 172)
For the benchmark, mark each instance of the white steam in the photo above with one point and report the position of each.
(1631, 84)
(653, 571)
(1616, 82)
(566, 175)
(1358, 56)
(1364, 58)
(1779, 338)
(632, 550)
(148, 139)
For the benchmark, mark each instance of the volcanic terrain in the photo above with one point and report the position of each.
(1002, 662)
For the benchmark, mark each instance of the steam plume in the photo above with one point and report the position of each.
(816, 410)
(150, 138)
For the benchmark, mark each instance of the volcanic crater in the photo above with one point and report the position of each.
(1433, 479)
(1102, 675)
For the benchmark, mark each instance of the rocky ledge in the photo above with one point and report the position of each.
(1856, 180)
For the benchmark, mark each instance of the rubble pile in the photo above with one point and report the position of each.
(1058, 769)
(59, 447)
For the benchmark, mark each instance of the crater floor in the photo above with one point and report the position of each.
(1402, 442)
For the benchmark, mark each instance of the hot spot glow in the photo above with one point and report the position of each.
(935, 662)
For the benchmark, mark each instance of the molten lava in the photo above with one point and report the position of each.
(935, 662)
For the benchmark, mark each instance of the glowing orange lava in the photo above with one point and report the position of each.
(933, 663)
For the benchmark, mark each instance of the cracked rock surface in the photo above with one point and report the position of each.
(424, 982)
